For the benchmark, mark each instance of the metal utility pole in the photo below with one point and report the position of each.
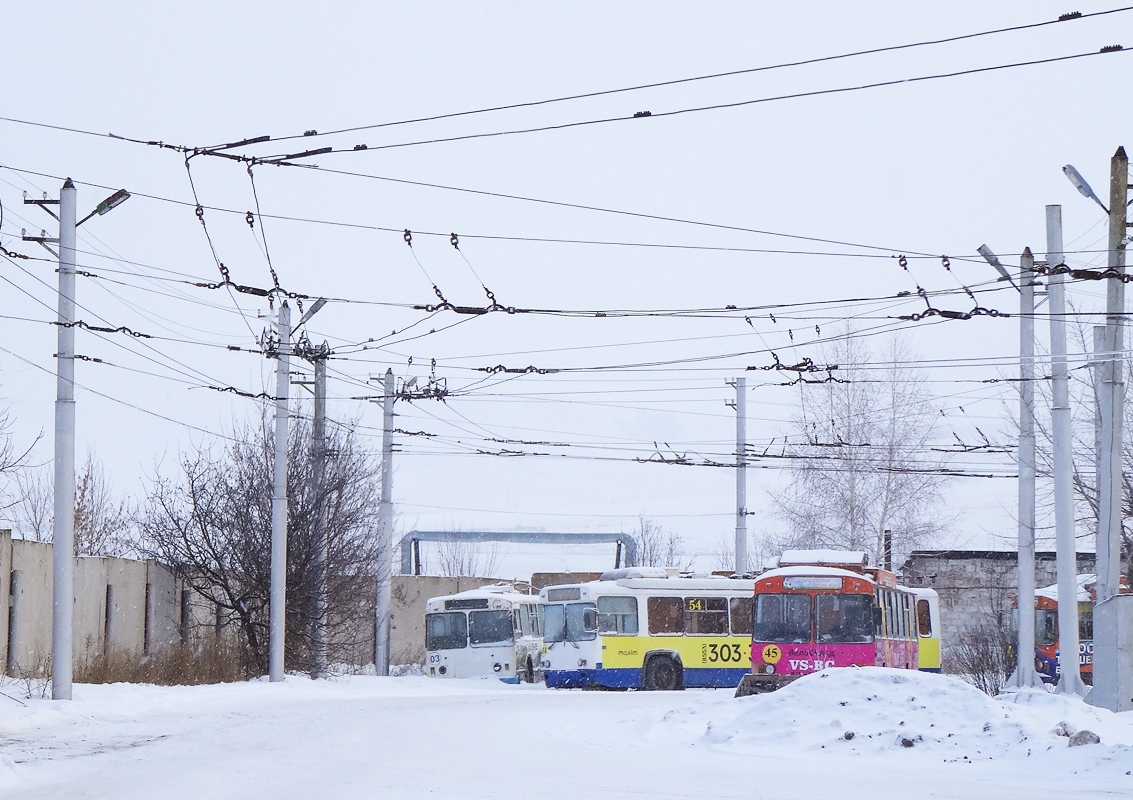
(1070, 681)
(385, 532)
(319, 457)
(63, 527)
(1025, 674)
(741, 476)
(277, 609)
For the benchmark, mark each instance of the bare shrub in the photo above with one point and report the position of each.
(982, 658)
(212, 660)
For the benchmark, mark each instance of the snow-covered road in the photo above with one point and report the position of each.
(415, 737)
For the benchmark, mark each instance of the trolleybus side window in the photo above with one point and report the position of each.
(741, 615)
(448, 631)
(617, 616)
(1046, 626)
(924, 619)
(666, 614)
(782, 618)
(844, 618)
(1085, 623)
(489, 627)
(706, 616)
(537, 620)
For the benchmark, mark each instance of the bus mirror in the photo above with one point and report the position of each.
(590, 620)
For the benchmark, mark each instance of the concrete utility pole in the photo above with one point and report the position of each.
(385, 531)
(1025, 674)
(63, 527)
(319, 457)
(1110, 489)
(1070, 681)
(1113, 612)
(741, 476)
(277, 609)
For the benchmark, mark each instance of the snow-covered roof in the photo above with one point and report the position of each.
(634, 572)
(499, 591)
(856, 558)
(782, 572)
(1085, 582)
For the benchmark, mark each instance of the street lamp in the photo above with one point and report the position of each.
(1080, 184)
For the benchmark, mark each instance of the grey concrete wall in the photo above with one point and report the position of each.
(164, 617)
(149, 620)
(126, 612)
(5, 591)
(31, 635)
(126, 619)
(976, 586)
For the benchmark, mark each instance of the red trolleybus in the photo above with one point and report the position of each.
(830, 612)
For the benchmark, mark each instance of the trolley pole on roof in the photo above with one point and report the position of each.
(1070, 681)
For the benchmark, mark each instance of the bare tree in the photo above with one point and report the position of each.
(212, 525)
(101, 522)
(657, 547)
(34, 508)
(861, 462)
(459, 558)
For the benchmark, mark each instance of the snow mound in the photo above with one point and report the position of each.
(872, 711)
(875, 709)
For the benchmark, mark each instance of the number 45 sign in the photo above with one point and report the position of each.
(772, 654)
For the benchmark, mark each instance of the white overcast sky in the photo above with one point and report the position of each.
(929, 167)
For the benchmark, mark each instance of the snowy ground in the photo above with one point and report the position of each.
(414, 737)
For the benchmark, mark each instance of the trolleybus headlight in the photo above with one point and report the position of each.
(441, 669)
(769, 669)
(496, 667)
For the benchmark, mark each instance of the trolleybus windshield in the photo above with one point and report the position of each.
(843, 618)
(489, 627)
(447, 631)
(574, 622)
(782, 618)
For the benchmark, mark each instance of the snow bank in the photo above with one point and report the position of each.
(874, 712)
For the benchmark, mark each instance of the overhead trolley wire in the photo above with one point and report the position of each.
(711, 76)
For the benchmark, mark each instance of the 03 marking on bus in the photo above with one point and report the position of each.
(726, 653)
(772, 654)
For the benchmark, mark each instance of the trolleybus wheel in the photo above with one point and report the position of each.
(663, 674)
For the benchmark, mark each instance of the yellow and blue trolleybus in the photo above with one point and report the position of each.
(644, 628)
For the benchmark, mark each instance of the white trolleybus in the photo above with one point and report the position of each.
(644, 628)
(490, 632)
